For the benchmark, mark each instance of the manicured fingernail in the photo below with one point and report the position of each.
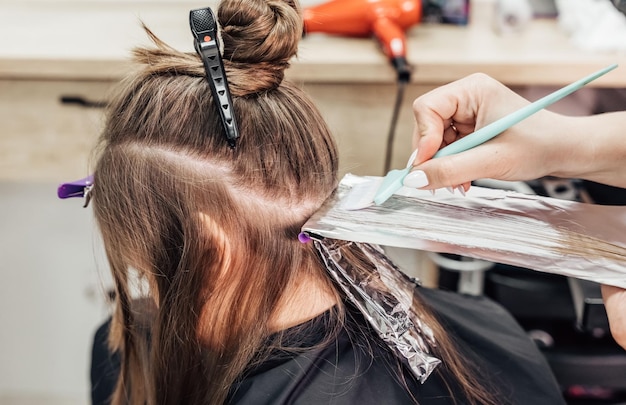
(461, 190)
(416, 179)
(450, 190)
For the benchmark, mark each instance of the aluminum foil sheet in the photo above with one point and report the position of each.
(569, 238)
(384, 295)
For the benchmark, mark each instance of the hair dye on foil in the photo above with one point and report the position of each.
(573, 239)
(384, 295)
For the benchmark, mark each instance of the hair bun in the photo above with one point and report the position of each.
(259, 37)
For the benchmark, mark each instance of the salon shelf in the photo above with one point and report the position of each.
(51, 48)
(91, 39)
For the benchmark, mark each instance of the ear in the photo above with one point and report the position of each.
(213, 231)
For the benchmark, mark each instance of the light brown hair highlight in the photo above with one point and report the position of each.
(213, 230)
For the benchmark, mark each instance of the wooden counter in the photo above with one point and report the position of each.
(90, 39)
(49, 49)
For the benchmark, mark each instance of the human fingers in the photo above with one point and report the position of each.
(486, 161)
(615, 304)
(452, 111)
(428, 132)
(449, 112)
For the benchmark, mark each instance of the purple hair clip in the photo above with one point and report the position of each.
(78, 188)
(304, 238)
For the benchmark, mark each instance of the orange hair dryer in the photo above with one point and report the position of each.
(385, 19)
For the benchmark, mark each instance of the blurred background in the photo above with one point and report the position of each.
(60, 59)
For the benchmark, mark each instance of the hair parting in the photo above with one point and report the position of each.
(211, 230)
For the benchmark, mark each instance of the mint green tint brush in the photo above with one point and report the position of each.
(393, 180)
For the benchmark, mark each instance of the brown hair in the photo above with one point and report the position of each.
(212, 230)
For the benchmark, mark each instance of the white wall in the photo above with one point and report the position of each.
(51, 297)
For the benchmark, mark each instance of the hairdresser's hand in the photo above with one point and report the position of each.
(615, 303)
(450, 112)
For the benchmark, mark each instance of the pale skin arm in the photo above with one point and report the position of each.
(546, 144)
(591, 148)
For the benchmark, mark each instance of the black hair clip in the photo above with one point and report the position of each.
(204, 29)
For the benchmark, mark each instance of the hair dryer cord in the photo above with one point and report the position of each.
(394, 122)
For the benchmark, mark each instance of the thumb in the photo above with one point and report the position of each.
(451, 171)
(426, 139)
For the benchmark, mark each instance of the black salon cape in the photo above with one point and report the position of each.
(346, 373)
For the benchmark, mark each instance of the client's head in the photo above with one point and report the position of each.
(212, 229)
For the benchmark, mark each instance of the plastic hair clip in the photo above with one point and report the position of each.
(204, 28)
(304, 238)
(78, 188)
